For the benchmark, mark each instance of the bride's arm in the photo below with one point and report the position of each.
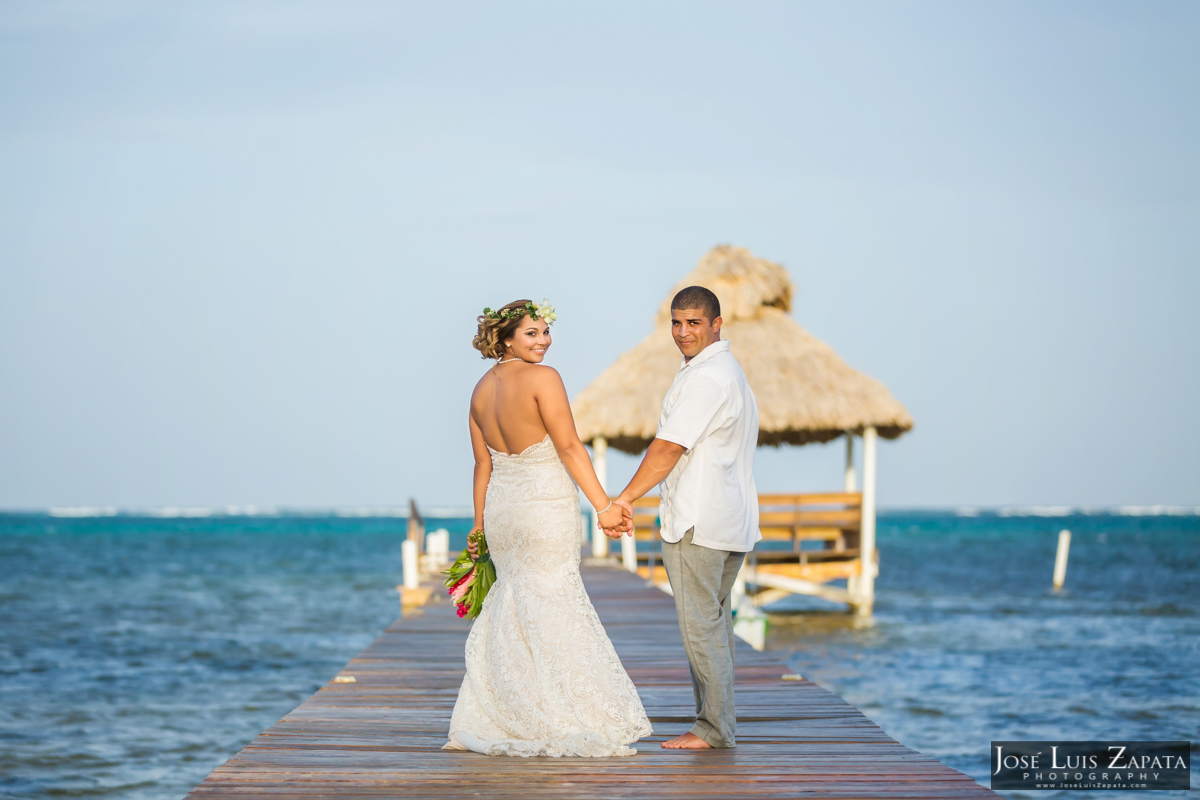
(551, 397)
(483, 471)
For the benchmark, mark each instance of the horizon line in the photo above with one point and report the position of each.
(458, 512)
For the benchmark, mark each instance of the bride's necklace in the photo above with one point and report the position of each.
(505, 361)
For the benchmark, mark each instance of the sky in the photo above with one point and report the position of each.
(243, 244)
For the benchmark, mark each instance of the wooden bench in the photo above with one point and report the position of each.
(832, 519)
(645, 520)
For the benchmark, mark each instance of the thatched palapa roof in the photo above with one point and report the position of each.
(805, 392)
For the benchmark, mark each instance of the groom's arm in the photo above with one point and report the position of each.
(661, 457)
(695, 411)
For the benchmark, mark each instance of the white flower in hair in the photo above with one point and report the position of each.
(545, 312)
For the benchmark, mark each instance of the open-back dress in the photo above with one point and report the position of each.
(542, 676)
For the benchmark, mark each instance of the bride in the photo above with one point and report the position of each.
(542, 676)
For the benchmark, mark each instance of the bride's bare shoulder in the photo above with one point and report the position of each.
(484, 385)
(542, 375)
(531, 376)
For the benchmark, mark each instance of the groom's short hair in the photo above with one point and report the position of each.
(698, 297)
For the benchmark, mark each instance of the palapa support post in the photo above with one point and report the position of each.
(629, 541)
(629, 552)
(851, 485)
(851, 479)
(600, 462)
(866, 580)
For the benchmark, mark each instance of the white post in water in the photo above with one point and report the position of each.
(1060, 558)
(600, 462)
(416, 526)
(437, 546)
(408, 554)
(866, 581)
(851, 479)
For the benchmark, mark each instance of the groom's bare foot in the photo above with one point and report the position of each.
(689, 741)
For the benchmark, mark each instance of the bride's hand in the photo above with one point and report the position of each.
(473, 547)
(613, 519)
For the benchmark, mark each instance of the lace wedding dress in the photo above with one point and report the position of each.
(542, 676)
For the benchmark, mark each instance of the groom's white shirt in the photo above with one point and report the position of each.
(711, 411)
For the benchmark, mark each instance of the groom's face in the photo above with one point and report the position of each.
(693, 331)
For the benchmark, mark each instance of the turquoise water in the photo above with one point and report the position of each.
(138, 653)
(969, 643)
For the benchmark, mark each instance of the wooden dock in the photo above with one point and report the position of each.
(380, 736)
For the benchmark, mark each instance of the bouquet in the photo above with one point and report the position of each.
(469, 581)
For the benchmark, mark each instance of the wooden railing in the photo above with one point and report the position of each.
(645, 518)
(834, 518)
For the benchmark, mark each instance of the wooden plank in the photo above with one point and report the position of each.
(812, 499)
(776, 533)
(846, 556)
(844, 518)
(380, 736)
(821, 571)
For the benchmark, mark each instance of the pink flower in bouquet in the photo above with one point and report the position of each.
(459, 590)
(463, 608)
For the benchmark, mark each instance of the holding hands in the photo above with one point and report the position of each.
(617, 519)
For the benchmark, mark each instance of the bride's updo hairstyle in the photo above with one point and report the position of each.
(492, 332)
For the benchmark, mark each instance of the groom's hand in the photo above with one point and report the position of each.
(612, 519)
(626, 516)
(623, 523)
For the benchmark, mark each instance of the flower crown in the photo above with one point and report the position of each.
(544, 312)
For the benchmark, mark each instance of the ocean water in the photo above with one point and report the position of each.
(138, 653)
(969, 643)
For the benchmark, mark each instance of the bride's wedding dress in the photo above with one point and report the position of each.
(542, 676)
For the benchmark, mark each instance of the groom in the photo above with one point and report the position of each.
(703, 455)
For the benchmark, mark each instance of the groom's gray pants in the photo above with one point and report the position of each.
(701, 580)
